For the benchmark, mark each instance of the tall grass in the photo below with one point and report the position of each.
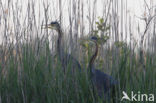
(38, 78)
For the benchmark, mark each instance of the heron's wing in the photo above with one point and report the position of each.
(105, 79)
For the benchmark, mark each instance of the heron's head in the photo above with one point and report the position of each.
(53, 25)
(94, 39)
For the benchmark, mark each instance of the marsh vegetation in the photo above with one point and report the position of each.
(31, 72)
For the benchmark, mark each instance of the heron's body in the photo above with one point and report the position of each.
(66, 59)
(102, 82)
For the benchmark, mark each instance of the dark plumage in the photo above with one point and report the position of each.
(102, 82)
(66, 59)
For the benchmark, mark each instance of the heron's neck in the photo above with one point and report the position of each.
(59, 43)
(91, 62)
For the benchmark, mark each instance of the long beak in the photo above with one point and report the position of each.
(92, 41)
(48, 26)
